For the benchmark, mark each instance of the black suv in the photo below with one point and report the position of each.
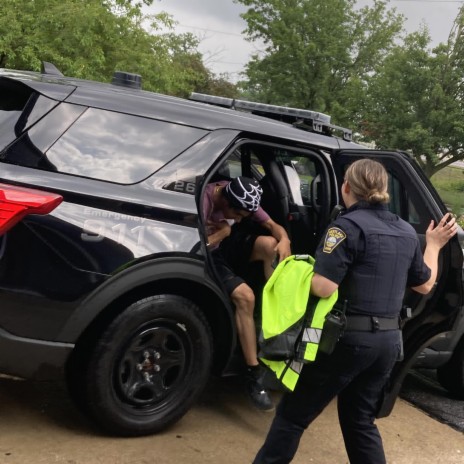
(105, 279)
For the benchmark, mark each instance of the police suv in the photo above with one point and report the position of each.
(105, 279)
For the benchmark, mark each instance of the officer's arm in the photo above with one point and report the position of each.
(436, 238)
(322, 287)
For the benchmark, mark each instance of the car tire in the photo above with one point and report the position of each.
(149, 366)
(451, 375)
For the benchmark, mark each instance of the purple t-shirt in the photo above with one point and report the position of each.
(259, 215)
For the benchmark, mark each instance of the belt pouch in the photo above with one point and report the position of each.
(334, 326)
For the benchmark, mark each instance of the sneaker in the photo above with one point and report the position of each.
(258, 394)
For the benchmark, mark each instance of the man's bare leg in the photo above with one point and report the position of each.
(244, 300)
(263, 250)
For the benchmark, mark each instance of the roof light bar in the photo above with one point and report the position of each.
(125, 79)
(17, 202)
(212, 99)
(283, 110)
(303, 119)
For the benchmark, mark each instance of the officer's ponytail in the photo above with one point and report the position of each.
(368, 181)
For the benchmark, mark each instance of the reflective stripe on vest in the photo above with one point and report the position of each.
(309, 344)
(284, 297)
(287, 372)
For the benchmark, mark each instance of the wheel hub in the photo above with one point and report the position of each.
(151, 366)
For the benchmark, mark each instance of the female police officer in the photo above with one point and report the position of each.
(370, 255)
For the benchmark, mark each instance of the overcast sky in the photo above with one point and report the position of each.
(218, 25)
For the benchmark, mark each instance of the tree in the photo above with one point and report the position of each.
(92, 38)
(318, 54)
(416, 100)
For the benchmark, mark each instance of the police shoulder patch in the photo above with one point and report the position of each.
(333, 238)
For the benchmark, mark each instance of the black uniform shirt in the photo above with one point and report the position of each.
(373, 255)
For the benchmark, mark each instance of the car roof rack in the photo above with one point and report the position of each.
(308, 120)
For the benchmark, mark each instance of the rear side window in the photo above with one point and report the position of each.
(101, 144)
(119, 147)
(29, 149)
(12, 103)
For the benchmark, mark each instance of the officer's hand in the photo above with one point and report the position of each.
(440, 235)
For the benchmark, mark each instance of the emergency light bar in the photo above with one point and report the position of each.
(303, 119)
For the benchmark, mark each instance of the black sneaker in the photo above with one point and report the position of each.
(258, 394)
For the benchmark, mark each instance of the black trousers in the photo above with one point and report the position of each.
(356, 372)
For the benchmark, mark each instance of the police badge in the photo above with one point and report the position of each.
(334, 237)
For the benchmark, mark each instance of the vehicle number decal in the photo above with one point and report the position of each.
(96, 230)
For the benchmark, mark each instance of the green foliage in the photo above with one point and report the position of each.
(318, 53)
(92, 38)
(357, 66)
(415, 102)
(449, 183)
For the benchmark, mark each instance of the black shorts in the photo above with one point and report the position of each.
(232, 258)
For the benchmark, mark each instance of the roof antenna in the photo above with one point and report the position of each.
(50, 68)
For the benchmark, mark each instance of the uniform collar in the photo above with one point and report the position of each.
(362, 204)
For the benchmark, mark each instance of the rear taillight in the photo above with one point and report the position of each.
(17, 202)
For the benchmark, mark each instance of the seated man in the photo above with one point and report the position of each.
(224, 204)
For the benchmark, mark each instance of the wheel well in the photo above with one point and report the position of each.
(218, 316)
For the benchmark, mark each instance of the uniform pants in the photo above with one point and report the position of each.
(356, 372)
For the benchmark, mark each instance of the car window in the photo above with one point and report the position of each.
(232, 166)
(100, 144)
(29, 149)
(405, 199)
(36, 107)
(403, 204)
(13, 101)
(298, 169)
(300, 172)
(124, 149)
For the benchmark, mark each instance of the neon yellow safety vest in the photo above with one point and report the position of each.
(291, 325)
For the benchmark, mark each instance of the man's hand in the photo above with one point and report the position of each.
(282, 248)
(221, 230)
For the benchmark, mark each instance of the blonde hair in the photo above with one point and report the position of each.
(368, 181)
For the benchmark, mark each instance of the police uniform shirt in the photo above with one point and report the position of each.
(373, 255)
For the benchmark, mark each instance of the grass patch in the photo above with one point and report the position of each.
(449, 183)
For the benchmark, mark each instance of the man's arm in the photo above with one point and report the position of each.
(436, 238)
(280, 234)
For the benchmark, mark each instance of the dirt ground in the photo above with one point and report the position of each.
(39, 425)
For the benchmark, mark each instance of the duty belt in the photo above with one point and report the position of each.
(370, 323)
